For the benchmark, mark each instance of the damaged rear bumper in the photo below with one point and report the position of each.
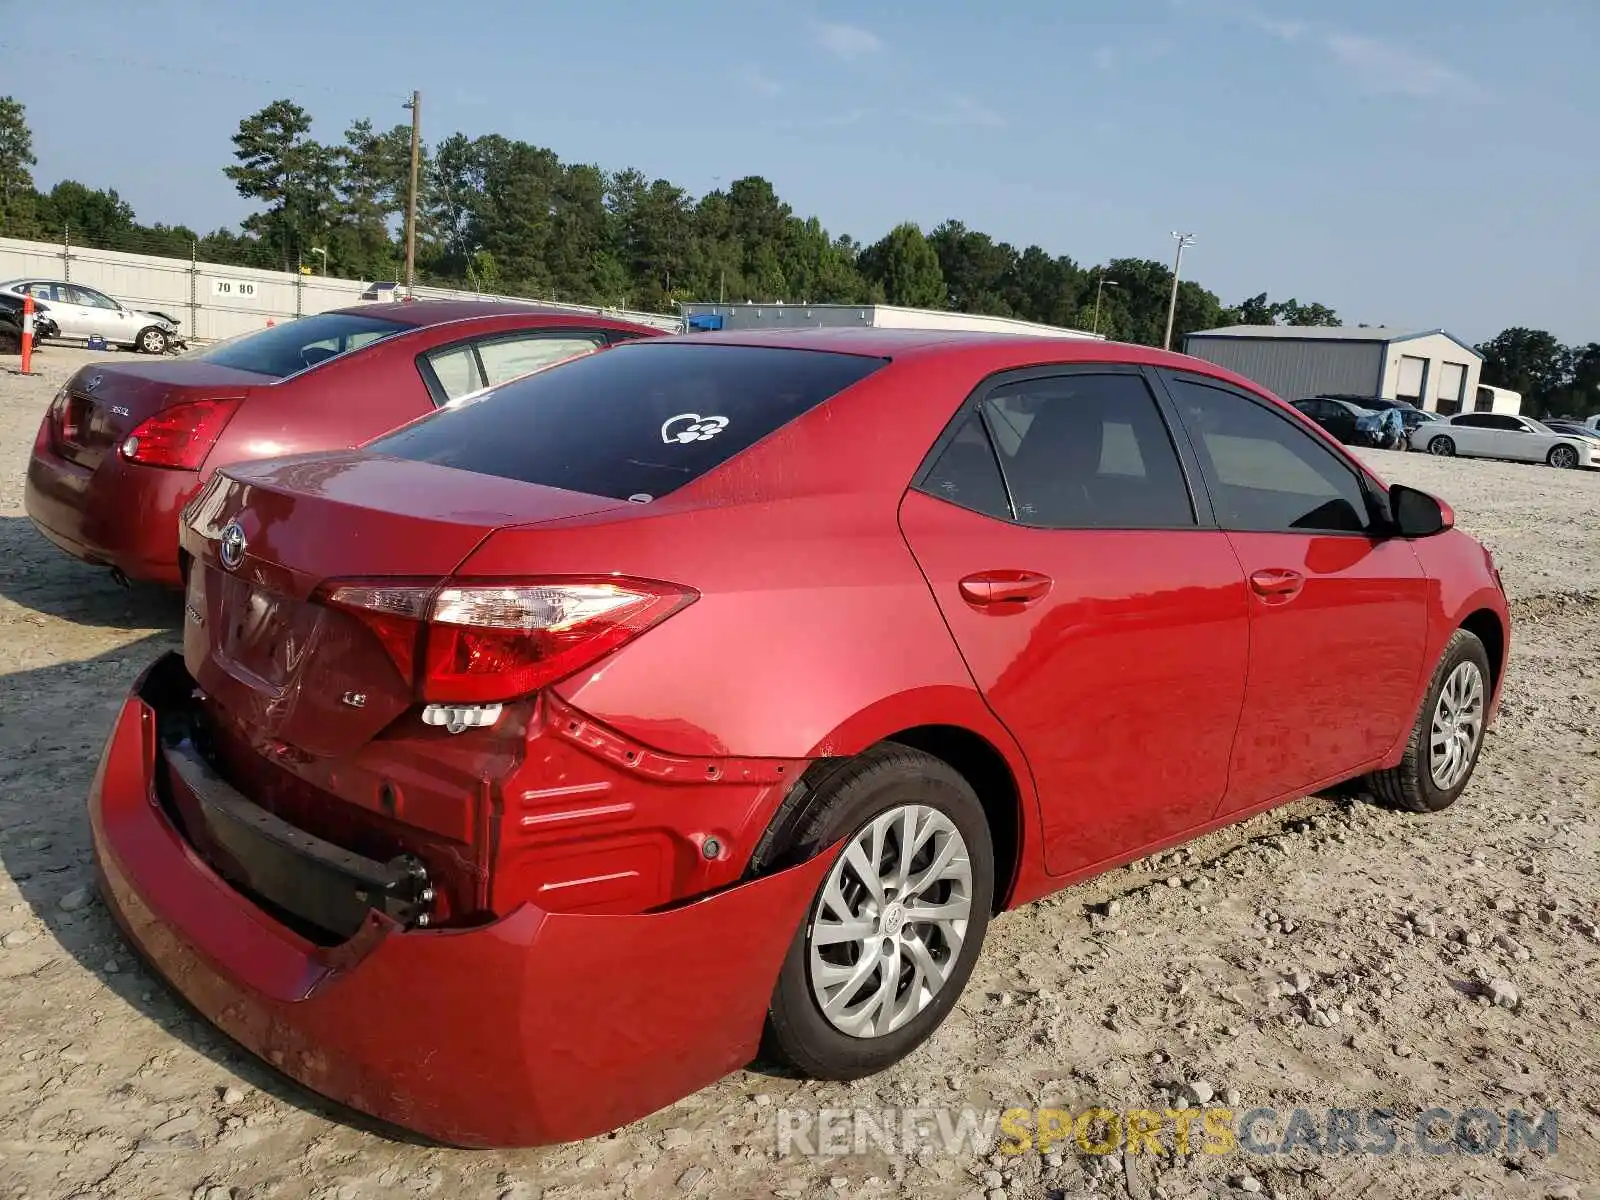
(541, 1027)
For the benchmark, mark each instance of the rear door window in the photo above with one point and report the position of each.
(637, 422)
(967, 472)
(462, 368)
(507, 358)
(456, 369)
(1088, 451)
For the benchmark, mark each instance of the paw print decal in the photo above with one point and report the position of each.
(691, 427)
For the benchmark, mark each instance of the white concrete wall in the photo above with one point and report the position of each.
(1437, 349)
(193, 293)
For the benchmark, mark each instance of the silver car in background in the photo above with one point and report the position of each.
(1501, 435)
(82, 313)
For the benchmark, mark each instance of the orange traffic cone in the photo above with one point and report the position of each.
(27, 336)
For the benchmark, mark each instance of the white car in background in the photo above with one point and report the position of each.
(82, 312)
(1501, 435)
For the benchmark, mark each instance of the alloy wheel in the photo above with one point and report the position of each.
(890, 921)
(1564, 457)
(1441, 446)
(1457, 726)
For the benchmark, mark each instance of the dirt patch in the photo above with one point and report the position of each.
(1330, 954)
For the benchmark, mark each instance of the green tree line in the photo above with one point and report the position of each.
(502, 215)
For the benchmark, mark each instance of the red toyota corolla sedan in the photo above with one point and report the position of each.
(544, 759)
(125, 445)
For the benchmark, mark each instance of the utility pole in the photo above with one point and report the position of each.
(1098, 288)
(411, 195)
(1183, 239)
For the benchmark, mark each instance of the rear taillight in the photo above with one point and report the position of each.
(65, 418)
(467, 642)
(180, 436)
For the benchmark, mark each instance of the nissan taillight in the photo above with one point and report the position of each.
(48, 437)
(180, 436)
(65, 418)
(469, 642)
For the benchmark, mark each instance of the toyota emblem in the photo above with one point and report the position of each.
(231, 548)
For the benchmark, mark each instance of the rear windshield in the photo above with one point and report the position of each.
(634, 422)
(283, 350)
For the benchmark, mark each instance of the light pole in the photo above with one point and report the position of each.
(415, 105)
(1183, 239)
(1098, 288)
(322, 251)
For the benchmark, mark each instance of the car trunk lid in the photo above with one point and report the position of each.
(105, 402)
(264, 538)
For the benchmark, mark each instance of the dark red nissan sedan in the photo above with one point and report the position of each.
(125, 445)
(551, 756)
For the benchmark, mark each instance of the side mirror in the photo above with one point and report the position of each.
(1416, 514)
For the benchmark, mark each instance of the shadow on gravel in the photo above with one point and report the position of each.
(53, 724)
(35, 575)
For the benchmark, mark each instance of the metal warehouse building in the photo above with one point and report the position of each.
(1430, 368)
(702, 316)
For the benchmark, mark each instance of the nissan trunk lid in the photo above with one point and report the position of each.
(104, 402)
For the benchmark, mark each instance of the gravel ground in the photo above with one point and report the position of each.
(1329, 954)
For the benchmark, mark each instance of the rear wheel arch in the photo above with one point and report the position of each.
(984, 767)
(974, 757)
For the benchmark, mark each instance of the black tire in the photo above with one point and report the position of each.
(1563, 458)
(152, 341)
(839, 803)
(1410, 786)
(1443, 446)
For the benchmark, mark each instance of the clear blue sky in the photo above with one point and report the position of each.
(1423, 163)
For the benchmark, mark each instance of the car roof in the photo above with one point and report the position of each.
(422, 313)
(998, 351)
